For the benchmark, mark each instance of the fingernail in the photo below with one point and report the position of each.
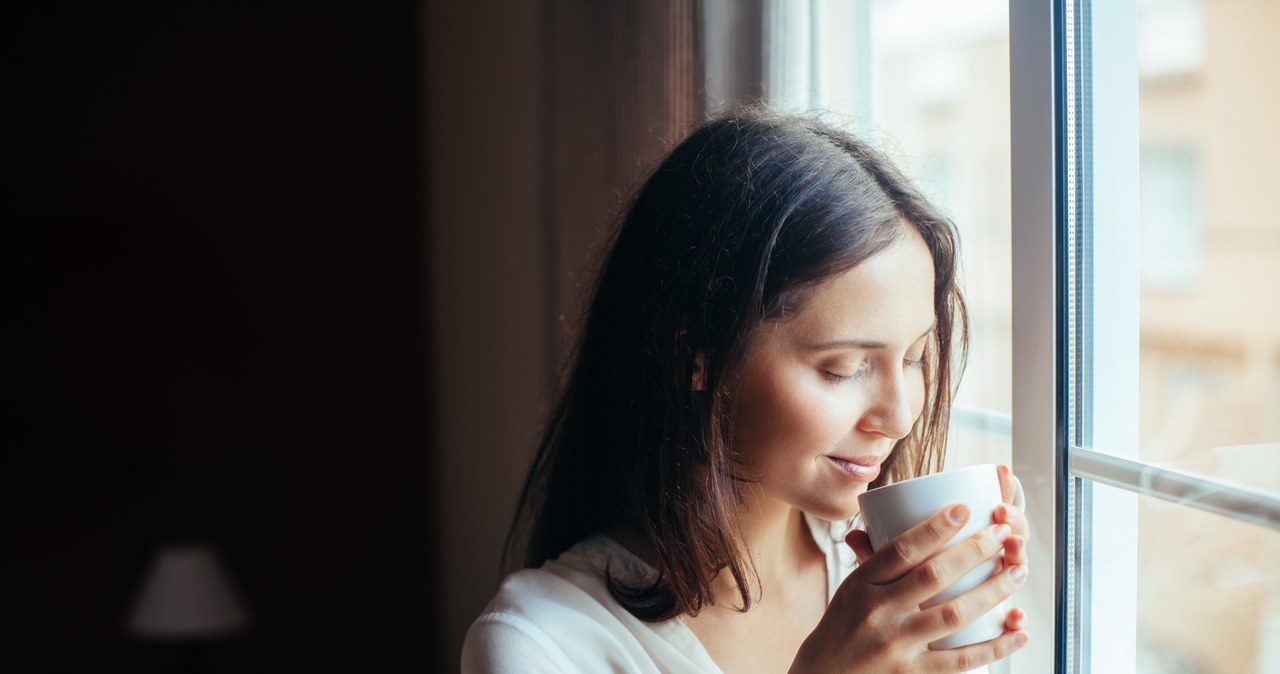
(1018, 574)
(1002, 532)
(1020, 639)
(958, 513)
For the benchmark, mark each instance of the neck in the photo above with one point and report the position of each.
(777, 545)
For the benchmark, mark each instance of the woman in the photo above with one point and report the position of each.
(773, 331)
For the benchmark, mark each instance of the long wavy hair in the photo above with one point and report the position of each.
(734, 228)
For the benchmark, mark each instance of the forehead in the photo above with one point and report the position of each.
(884, 298)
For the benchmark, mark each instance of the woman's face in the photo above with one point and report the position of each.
(825, 393)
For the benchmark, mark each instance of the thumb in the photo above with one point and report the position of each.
(861, 544)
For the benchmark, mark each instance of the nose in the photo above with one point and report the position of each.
(893, 407)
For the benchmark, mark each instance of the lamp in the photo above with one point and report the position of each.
(187, 596)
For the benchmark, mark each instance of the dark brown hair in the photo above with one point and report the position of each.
(732, 229)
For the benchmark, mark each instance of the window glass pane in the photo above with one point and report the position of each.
(939, 87)
(1209, 86)
(928, 81)
(1208, 592)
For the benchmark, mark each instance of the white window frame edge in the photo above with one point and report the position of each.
(1215, 496)
(1103, 634)
(1045, 148)
(1036, 453)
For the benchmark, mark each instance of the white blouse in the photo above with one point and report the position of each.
(561, 617)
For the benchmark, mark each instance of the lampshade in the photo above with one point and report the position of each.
(187, 594)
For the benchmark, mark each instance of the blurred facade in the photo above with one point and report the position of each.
(1209, 591)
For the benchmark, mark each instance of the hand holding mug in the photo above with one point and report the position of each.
(994, 496)
(876, 621)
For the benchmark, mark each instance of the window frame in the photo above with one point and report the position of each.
(1038, 424)
(1074, 394)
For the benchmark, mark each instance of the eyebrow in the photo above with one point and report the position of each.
(859, 343)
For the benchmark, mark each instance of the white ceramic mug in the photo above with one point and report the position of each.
(890, 510)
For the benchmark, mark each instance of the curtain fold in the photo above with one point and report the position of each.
(624, 84)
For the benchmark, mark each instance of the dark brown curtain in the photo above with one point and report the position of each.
(624, 84)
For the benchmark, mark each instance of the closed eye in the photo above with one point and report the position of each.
(836, 377)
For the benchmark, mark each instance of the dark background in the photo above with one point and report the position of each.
(215, 254)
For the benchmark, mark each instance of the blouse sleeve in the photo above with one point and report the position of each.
(506, 643)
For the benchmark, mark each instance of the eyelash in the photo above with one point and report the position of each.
(842, 379)
(862, 372)
(836, 378)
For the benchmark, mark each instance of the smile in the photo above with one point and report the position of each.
(856, 471)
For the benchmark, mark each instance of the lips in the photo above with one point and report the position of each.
(860, 469)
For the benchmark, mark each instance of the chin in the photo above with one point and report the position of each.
(835, 511)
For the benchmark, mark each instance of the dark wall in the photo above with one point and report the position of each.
(214, 250)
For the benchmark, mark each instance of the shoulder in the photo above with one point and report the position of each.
(572, 587)
(501, 642)
(559, 618)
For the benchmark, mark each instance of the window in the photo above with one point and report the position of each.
(1172, 226)
(1145, 263)
(1109, 165)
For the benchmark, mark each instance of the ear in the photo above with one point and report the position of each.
(699, 379)
(699, 372)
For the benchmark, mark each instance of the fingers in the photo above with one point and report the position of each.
(947, 617)
(1008, 487)
(1015, 620)
(1007, 514)
(904, 553)
(937, 574)
(971, 657)
(1017, 521)
(861, 544)
(1015, 552)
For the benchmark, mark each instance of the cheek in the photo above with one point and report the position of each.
(916, 392)
(919, 393)
(781, 418)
